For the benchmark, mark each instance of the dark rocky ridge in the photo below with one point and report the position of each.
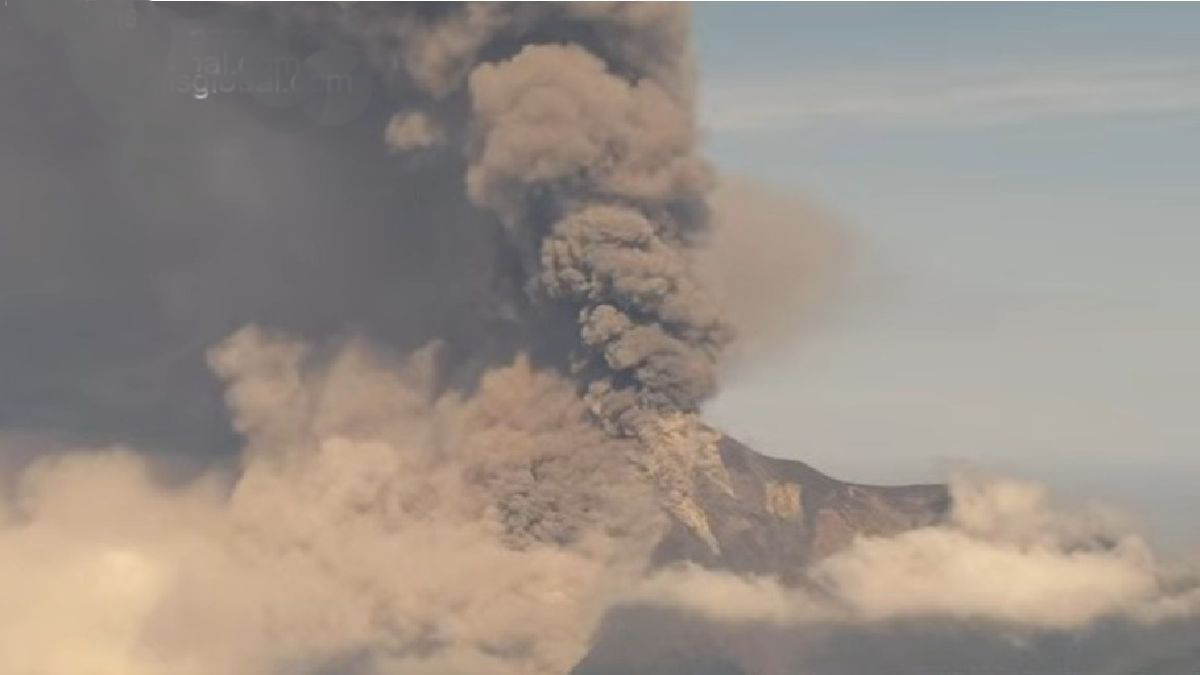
(660, 641)
(783, 514)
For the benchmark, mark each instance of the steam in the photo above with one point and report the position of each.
(605, 160)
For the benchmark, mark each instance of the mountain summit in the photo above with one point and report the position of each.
(778, 515)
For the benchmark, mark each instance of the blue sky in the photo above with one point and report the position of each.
(1021, 184)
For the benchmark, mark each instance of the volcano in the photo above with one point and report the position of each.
(776, 518)
(779, 516)
(782, 516)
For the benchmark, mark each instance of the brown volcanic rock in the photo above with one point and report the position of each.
(780, 515)
(776, 517)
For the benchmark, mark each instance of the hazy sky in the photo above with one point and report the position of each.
(1021, 184)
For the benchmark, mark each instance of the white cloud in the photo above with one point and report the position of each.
(968, 98)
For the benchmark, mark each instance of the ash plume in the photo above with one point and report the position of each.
(523, 188)
(523, 178)
(577, 127)
(576, 124)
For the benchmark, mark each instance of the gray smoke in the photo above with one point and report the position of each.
(534, 137)
(576, 126)
(576, 123)
(518, 187)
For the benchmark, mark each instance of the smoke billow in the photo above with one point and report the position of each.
(373, 523)
(585, 152)
(526, 195)
(776, 262)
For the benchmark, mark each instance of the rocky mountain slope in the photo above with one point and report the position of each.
(779, 515)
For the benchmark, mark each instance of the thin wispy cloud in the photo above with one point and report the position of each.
(994, 97)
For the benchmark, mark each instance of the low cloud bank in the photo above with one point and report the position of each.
(1008, 555)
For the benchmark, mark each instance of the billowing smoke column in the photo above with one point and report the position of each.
(577, 127)
(599, 175)
(380, 520)
(580, 139)
(375, 527)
